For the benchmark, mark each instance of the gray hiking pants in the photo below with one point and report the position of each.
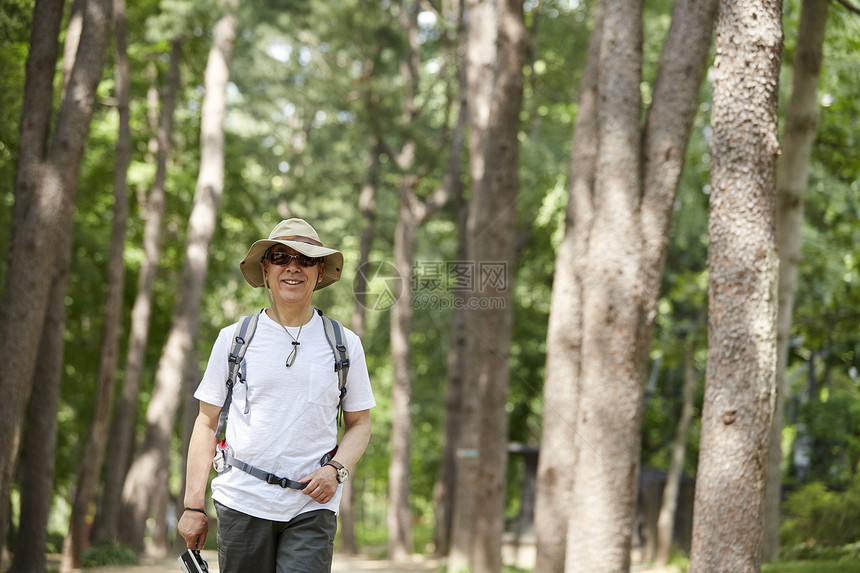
(305, 544)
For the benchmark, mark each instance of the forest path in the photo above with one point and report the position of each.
(342, 564)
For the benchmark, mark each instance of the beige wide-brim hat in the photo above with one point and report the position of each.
(299, 235)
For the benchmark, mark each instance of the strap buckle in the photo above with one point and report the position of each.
(275, 480)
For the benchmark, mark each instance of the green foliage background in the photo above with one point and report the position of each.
(312, 83)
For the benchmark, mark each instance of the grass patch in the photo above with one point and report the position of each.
(109, 554)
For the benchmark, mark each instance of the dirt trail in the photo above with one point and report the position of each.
(342, 564)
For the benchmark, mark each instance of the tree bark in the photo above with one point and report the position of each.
(399, 511)
(564, 334)
(412, 213)
(139, 490)
(73, 39)
(367, 207)
(444, 491)
(740, 389)
(801, 119)
(480, 57)
(44, 199)
(607, 279)
(399, 518)
(669, 505)
(122, 431)
(492, 249)
(604, 479)
(38, 457)
(91, 464)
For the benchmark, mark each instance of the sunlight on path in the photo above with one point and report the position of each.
(342, 564)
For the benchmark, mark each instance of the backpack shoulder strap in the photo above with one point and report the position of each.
(334, 333)
(241, 340)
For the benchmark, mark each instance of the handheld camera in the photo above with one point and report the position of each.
(192, 562)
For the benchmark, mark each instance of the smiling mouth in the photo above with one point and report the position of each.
(292, 282)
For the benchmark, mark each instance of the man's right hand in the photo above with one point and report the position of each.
(193, 526)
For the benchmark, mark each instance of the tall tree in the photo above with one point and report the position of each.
(608, 277)
(367, 207)
(801, 119)
(669, 503)
(444, 493)
(122, 430)
(564, 334)
(44, 198)
(150, 470)
(491, 231)
(91, 463)
(481, 35)
(37, 469)
(39, 453)
(740, 387)
(413, 211)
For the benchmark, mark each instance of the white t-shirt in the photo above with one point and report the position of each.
(291, 413)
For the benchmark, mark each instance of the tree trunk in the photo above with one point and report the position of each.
(91, 464)
(399, 518)
(492, 250)
(608, 423)
(492, 238)
(444, 491)
(140, 488)
(122, 432)
(740, 389)
(73, 39)
(607, 279)
(669, 505)
(399, 511)
(801, 118)
(564, 334)
(44, 199)
(480, 57)
(367, 206)
(413, 211)
(38, 458)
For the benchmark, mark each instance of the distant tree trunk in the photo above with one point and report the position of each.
(444, 493)
(44, 199)
(91, 464)
(669, 505)
(492, 232)
(399, 518)
(161, 504)
(140, 488)
(412, 213)
(190, 409)
(801, 119)
(367, 207)
(122, 432)
(740, 389)
(623, 184)
(37, 463)
(564, 335)
(73, 38)
(399, 511)
(480, 60)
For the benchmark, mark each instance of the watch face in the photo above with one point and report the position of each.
(342, 475)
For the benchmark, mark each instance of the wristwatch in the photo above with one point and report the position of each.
(342, 472)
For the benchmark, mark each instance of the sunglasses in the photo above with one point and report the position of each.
(283, 258)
